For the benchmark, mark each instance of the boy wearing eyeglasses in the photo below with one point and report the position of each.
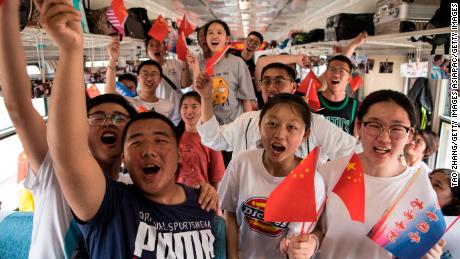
(336, 105)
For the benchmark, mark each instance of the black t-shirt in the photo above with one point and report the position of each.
(342, 114)
(128, 225)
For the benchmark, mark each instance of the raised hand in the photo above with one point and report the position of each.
(114, 50)
(204, 85)
(62, 22)
(436, 251)
(303, 60)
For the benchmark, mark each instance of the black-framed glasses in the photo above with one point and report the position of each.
(99, 119)
(396, 132)
(277, 82)
(341, 71)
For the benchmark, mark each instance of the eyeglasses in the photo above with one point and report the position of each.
(342, 71)
(145, 75)
(278, 82)
(396, 132)
(99, 119)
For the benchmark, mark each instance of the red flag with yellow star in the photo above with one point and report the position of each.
(160, 29)
(350, 188)
(309, 86)
(298, 185)
(214, 59)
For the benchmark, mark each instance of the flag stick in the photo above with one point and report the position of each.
(451, 224)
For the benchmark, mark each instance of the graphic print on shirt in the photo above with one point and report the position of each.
(190, 160)
(187, 239)
(220, 90)
(253, 211)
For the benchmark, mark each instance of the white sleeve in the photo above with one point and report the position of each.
(43, 179)
(228, 189)
(221, 137)
(334, 142)
(320, 194)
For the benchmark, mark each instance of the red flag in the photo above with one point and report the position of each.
(93, 91)
(120, 11)
(350, 188)
(159, 29)
(186, 27)
(308, 87)
(356, 82)
(214, 59)
(1, 2)
(141, 109)
(181, 47)
(299, 185)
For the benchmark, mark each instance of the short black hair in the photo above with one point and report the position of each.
(192, 94)
(128, 76)
(388, 96)
(431, 141)
(111, 98)
(149, 62)
(289, 70)
(341, 58)
(224, 24)
(147, 116)
(258, 35)
(295, 102)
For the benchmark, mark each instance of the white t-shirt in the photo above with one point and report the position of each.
(344, 238)
(244, 190)
(423, 166)
(162, 106)
(54, 233)
(172, 68)
(243, 134)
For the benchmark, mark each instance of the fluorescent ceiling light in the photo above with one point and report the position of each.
(245, 16)
(245, 22)
(244, 4)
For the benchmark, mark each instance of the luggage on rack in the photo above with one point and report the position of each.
(137, 24)
(393, 16)
(99, 23)
(308, 37)
(345, 26)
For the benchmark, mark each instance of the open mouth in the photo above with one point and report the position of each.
(157, 54)
(150, 169)
(381, 150)
(214, 43)
(109, 138)
(278, 148)
(335, 82)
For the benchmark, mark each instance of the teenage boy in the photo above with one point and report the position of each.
(336, 105)
(154, 217)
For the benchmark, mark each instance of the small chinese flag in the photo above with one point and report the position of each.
(120, 11)
(298, 187)
(186, 27)
(350, 188)
(181, 47)
(159, 29)
(214, 59)
(93, 91)
(141, 109)
(355, 83)
(308, 87)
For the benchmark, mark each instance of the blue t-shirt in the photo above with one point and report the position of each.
(128, 225)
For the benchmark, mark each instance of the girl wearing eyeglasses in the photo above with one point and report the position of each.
(384, 124)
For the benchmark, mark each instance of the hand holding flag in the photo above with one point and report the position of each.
(309, 86)
(214, 59)
(159, 29)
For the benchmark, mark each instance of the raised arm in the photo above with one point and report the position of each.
(203, 86)
(16, 87)
(114, 51)
(354, 43)
(185, 77)
(302, 60)
(79, 176)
